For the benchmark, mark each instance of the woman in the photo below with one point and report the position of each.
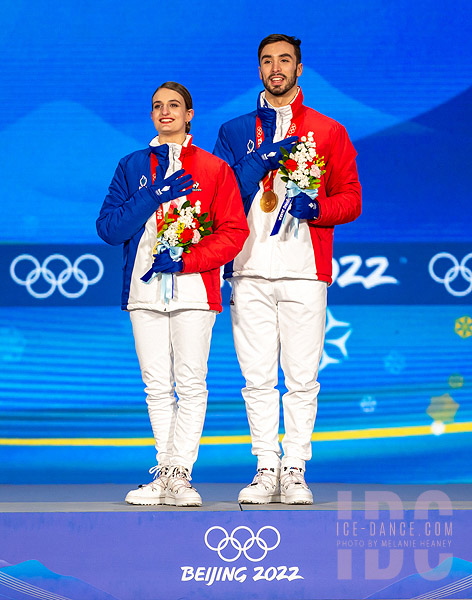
(172, 326)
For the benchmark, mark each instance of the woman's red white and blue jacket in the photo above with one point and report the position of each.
(128, 217)
(308, 256)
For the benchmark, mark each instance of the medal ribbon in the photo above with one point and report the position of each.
(154, 165)
(268, 181)
(281, 216)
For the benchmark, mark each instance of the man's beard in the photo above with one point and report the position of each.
(290, 82)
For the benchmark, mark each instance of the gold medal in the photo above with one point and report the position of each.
(269, 201)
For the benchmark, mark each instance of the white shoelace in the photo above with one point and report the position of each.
(267, 479)
(293, 477)
(179, 478)
(160, 477)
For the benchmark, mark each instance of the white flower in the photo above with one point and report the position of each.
(304, 182)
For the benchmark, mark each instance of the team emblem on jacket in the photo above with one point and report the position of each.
(250, 146)
(196, 187)
(142, 182)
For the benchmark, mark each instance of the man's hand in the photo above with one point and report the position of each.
(303, 207)
(269, 153)
(164, 263)
(173, 187)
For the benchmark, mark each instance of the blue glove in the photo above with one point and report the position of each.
(163, 263)
(173, 187)
(303, 207)
(268, 154)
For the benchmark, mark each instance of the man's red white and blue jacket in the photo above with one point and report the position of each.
(128, 217)
(308, 256)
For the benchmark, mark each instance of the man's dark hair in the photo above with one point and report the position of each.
(183, 91)
(280, 37)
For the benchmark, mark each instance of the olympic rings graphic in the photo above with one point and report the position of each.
(245, 546)
(56, 281)
(452, 273)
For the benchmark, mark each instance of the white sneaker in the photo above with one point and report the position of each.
(151, 493)
(293, 488)
(179, 491)
(264, 488)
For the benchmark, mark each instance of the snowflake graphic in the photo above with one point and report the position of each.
(335, 356)
(368, 404)
(394, 362)
(463, 326)
(442, 408)
(12, 344)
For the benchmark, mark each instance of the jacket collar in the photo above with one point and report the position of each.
(268, 114)
(162, 150)
(168, 153)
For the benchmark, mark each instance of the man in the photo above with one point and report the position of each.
(280, 281)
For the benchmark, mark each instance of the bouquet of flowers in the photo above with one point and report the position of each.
(177, 230)
(301, 169)
(302, 165)
(180, 228)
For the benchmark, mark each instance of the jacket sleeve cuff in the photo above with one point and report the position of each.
(185, 265)
(317, 215)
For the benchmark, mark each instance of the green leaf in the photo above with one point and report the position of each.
(284, 151)
(203, 217)
(186, 204)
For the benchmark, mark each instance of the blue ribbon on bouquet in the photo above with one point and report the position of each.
(167, 281)
(292, 191)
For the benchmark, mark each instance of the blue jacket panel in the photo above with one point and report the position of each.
(239, 154)
(125, 211)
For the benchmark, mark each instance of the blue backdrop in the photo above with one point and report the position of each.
(396, 393)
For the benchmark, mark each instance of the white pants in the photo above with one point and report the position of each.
(283, 319)
(173, 349)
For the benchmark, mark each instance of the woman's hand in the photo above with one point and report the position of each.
(172, 187)
(164, 263)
